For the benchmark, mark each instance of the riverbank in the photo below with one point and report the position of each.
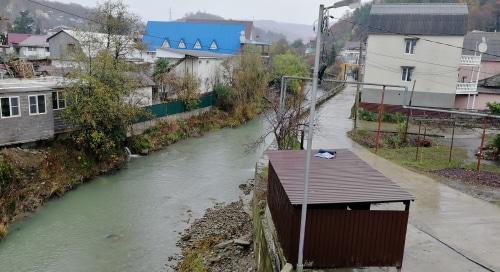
(30, 177)
(221, 240)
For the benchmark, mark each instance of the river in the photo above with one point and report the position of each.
(130, 220)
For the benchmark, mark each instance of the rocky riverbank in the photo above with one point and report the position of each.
(219, 241)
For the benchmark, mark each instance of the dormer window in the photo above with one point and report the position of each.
(213, 46)
(182, 44)
(165, 44)
(197, 45)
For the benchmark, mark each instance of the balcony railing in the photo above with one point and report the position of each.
(470, 60)
(466, 88)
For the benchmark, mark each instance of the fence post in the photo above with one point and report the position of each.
(417, 143)
(452, 138)
(409, 112)
(480, 155)
(380, 110)
(423, 141)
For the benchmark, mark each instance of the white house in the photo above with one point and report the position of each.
(418, 43)
(35, 47)
(202, 65)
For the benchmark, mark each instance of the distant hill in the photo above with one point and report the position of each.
(291, 31)
(44, 17)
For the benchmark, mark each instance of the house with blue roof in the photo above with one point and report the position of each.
(216, 37)
(198, 48)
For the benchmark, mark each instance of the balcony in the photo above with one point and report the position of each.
(470, 60)
(466, 88)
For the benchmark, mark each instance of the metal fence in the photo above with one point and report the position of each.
(175, 107)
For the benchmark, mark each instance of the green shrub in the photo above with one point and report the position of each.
(392, 141)
(393, 118)
(223, 97)
(138, 143)
(494, 107)
(495, 143)
(366, 115)
(7, 175)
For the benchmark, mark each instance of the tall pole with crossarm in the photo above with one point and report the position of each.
(319, 31)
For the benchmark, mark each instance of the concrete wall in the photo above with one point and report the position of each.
(36, 53)
(436, 69)
(206, 70)
(481, 100)
(27, 128)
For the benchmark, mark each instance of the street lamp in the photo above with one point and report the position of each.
(319, 31)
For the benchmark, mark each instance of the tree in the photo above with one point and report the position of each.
(119, 26)
(288, 64)
(98, 106)
(243, 85)
(279, 47)
(297, 44)
(102, 84)
(23, 23)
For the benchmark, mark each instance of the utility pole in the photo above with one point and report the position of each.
(360, 79)
(300, 262)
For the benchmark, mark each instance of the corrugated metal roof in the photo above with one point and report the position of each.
(344, 179)
(15, 38)
(419, 19)
(472, 39)
(420, 8)
(35, 41)
(226, 36)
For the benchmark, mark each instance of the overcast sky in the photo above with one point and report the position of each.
(291, 11)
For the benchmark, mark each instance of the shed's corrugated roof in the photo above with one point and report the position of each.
(492, 40)
(419, 19)
(344, 179)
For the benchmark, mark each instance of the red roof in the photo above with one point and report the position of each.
(15, 38)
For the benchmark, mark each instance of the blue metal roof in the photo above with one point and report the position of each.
(226, 36)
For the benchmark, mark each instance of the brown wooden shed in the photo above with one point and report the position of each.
(342, 228)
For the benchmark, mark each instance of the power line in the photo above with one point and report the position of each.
(426, 62)
(412, 36)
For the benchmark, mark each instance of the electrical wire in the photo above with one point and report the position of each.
(413, 36)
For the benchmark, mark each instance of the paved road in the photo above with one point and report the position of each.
(448, 230)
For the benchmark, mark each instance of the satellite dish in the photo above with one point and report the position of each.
(482, 47)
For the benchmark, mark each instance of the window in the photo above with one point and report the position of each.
(197, 45)
(182, 44)
(165, 44)
(213, 46)
(37, 104)
(10, 107)
(410, 46)
(58, 100)
(407, 73)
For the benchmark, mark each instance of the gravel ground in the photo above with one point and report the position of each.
(485, 185)
(219, 241)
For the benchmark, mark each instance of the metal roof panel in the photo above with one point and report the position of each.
(344, 179)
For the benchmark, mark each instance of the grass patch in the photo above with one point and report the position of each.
(429, 158)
